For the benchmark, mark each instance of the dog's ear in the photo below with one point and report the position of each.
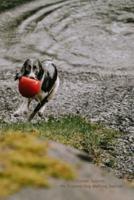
(27, 63)
(16, 76)
(41, 70)
(19, 73)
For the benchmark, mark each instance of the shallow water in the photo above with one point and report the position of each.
(90, 36)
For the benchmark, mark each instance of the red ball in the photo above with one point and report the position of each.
(29, 87)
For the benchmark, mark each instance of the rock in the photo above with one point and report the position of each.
(91, 182)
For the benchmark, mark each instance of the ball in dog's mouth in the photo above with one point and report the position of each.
(29, 86)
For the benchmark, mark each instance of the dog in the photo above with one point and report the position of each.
(46, 72)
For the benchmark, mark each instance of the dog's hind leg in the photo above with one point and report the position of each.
(23, 108)
(41, 111)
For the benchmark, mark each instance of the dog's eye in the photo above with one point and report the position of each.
(28, 68)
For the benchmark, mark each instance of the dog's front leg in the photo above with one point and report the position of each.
(23, 108)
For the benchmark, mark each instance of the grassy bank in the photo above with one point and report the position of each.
(9, 4)
(25, 158)
(95, 139)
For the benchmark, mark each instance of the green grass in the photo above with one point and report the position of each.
(95, 139)
(9, 4)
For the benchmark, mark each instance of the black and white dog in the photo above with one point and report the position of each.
(46, 72)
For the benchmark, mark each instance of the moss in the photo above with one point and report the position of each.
(24, 161)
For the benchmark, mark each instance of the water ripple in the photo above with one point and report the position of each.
(78, 34)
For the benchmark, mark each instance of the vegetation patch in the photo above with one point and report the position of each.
(23, 150)
(97, 140)
(24, 161)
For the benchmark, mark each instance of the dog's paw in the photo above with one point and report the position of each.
(18, 114)
(42, 111)
(41, 114)
(14, 119)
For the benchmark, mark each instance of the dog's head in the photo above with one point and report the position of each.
(31, 68)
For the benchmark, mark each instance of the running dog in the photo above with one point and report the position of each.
(46, 72)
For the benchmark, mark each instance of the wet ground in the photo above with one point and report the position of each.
(92, 44)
